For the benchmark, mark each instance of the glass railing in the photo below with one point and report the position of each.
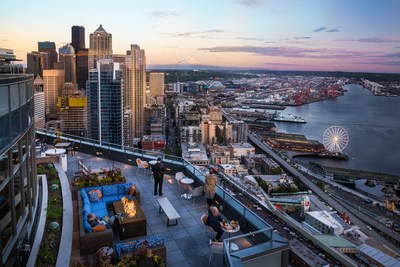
(251, 246)
(227, 198)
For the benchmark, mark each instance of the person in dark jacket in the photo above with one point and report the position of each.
(214, 220)
(158, 173)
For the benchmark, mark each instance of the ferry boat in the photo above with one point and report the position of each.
(289, 118)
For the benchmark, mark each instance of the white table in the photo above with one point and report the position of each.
(55, 151)
(153, 162)
(187, 182)
(230, 231)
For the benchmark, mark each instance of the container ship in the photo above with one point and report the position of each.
(288, 118)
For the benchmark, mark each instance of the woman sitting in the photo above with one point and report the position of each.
(213, 220)
(93, 221)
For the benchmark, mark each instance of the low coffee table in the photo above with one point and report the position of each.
(130, 227)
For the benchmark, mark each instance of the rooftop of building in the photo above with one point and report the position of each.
(241, 145)
(325, 217)
(185, 243)
(306, 254)
(378, 256)
(334, 241)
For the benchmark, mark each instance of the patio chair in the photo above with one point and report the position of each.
(216, 248)
(207, 229)
(178, 177)
(196, 192)
(141, 164)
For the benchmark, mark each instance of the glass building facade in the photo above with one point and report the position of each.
(18, 180)
(105, 103)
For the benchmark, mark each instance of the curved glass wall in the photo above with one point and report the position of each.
(18, 183)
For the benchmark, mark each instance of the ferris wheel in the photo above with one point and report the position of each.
(335, 139)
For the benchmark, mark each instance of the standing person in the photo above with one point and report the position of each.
(209, 187)
(158, 173)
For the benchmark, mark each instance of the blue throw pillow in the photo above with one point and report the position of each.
(155, 241)
(93, 196)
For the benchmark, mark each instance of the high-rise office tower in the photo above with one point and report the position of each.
(72, 111)
(82, 67)
(105, 103)
(135, 88)
(37, 62)
(39, 103)
(156, 85)
(53, 81)
(67, 58)
(100, 46)
(81, 56)
(78, 37)
(49, 47)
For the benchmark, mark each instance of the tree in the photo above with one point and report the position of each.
(276, 171)
(167, 150)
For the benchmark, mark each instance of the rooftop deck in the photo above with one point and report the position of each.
(186, 245)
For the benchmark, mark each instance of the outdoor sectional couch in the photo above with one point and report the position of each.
(153, 243)
(91, 241)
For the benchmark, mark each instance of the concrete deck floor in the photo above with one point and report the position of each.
(185, 242)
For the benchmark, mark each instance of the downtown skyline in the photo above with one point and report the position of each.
(357, 35)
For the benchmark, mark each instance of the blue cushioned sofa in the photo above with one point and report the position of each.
(153, 243)
(90, 242)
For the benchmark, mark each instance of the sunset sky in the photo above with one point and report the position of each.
(342, 35)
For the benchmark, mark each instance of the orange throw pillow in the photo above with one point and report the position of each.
(99, 193)
(132, 190)
(99, 228)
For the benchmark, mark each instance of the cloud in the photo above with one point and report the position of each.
(302, 37)
(163, 14)
(250, 38)
(270, 42)
(393, 55)
(284, 64)
(250, 3)
(320, 29)
(214, 31)
(371, 40)
(5, 40)
(195, 34)
(333, 30)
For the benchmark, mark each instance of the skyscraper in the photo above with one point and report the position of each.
(19, 208)
(82, 67)
(67, 58)
(100, 46)
(78, 37)
(105, 103)
(49, 47)
(156, 85)
(81, 56)
(37, 62)
(72, 111)
(135, 88)
(39, 103)
(53, 81)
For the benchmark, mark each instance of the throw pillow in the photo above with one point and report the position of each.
(99, 193)
(99, 228)
(132, 190)
(94, 196)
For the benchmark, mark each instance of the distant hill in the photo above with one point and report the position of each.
(187, 72)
